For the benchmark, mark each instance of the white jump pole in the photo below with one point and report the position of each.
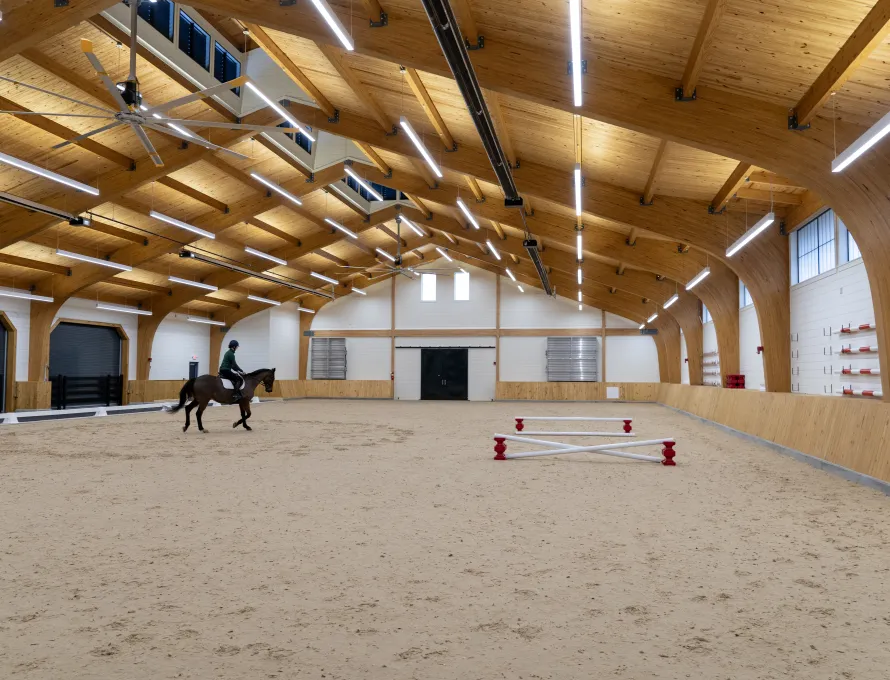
(558, 448)
(585, 434)
(520, 427)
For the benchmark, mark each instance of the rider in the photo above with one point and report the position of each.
(231, 370)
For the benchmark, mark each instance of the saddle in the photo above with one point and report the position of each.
(227, 384)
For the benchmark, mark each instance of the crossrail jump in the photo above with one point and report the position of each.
(559, 448)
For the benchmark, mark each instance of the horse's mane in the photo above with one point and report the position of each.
(255, 373)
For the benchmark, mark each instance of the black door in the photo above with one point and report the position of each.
(85, 365)
(443, 373)
(193, 370)
(4, 343)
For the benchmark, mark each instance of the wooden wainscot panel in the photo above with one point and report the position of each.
(574, 391)
(283, 389)
(349, 389)
(33, 395)
(147, 391)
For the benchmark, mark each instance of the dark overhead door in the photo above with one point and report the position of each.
(85, 365)
(4, 348)
(443, 373)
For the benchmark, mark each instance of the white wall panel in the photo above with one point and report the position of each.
(684, 366)
(524, 359)
(631, 358)
(615, 321)
(253, 335)
(534, 309)
(481, 368)
(709, 337)
(407, 374)
(357, 312)
(19, 313)
(477, 312)
(176, 343)
(368, 358)
(284, 341)
(481, 378)
(750, 362)
(77, 309)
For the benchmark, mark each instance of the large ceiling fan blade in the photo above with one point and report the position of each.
(75, 140)
(149, 147)
(230, 126)
(196, 96)
(87, 47)
(194, 138)
(55, 94)
(52, 113)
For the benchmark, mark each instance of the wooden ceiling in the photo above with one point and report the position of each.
(768, 51)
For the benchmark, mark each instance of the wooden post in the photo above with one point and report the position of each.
(497, 335)
(392, 335)
(305, 325)
(603, 331)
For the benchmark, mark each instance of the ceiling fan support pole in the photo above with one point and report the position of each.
(134, 44)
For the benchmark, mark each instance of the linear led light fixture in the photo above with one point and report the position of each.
(73, 220)
(578, 189)
(868, 139)
(642, 326)
(749, 235)
(94, 260)
(277, 189)
(673, 298)
(467, 214)
(385, 254)
(406, 126)
(47, 174)
(579, 246)
(257, 298)
(189, 282)
(363, 184)
(347, 197)
(575, 32)
(306, 309)
(179, 129)
(253, 274)
(701, 276)
(359, 291)
(580, 276)
(201, 319)
(652, 318)
(265, 256)
(417, 230)
(182, 225)
(521, 289)
(339, 30)
(337, 225)
(444, 254)
(531, 247)
(579, 296)
(510, 274)
(111, 307)
(23, 295)
(324, 278)
(493, 250)
(279, 110)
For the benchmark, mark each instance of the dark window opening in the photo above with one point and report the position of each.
(159, 14)
(194, 40)
(225, 66)
(301, 140)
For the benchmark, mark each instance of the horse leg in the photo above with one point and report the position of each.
(188, 411)
(238, 422)
(198, 416)
(246, 410)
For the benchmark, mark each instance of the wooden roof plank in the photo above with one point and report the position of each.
(336, 56)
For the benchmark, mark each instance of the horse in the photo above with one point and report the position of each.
(202, 390)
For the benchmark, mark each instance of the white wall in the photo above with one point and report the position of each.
(819, 307)
(684, 365)
(477, 312)
(709, 344)
(631, 358)
(750, 362)
(534, 309)
(19, 313)
(284, 342)
(524, 359)
(481, 365)
(358, 312)
(253, 334)
(176, 343)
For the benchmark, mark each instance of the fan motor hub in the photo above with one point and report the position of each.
(130, 93)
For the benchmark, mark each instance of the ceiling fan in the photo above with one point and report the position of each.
(134, 113)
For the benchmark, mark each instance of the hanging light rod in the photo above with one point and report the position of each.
(577, 64)
(280, 111)
(277, 189)
(444, 254)
(652, 318)
(111, 307)
(265, 256)
(363, 184)
(336, 26)
(467, 213)
(193, 284)
(673, 298)
(23, 295)
(751, 234)
(698, 278)
(510, 274)
(359, 291)
(249, 272)
(210, 322)
(337, 225)
(94, 260)
(385, 254)
(406, 126)
(257, 298)
(493, 250)
(324, 278)
(182, 225)
(47, 174)
(868, 139)
(73, 220)
(306, 309)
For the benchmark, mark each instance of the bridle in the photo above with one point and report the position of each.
(269, 381)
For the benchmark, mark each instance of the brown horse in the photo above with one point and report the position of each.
(202, 390)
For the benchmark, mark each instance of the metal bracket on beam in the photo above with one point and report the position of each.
(782, 230)
(132, 167)
(480, 200)
(388, 175)
(583, 67)
(711, 210)
(792, 123)
(60, 3)
(287, 3)
(336, 117)
(384, 21)
(452, 149)
(311, 178)
(628, 243)
(184, 145)
(394, 132)
(480, 43)
(680, 96)
(643, 201)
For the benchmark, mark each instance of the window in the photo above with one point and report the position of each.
(387, 193)
(461, 286)
(225, 66)
(745, 298)
(160, 15)
(427, 287)
(815, 247)
(705, 315)
(853, 252)
(194, 40)
(328, 359)
(299, 138)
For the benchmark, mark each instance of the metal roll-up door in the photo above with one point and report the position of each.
(328, 359)
(4, 345)
(85, 365)
(573, 359)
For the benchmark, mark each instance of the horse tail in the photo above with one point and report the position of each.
(187, 391)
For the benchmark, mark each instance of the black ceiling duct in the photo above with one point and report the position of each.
(532, 247)
(450, 40)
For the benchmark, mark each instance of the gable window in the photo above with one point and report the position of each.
(815, 247)
(745, 298)
(194, 40)
(853, 252)
(160, 15)
(298, 138)
(427, 287)
(225, 66)
(705, 315)
(461, 286)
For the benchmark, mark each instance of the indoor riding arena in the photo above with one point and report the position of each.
(444, 339)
